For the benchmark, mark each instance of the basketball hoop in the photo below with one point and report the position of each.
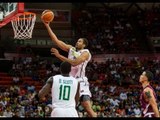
(23, 25)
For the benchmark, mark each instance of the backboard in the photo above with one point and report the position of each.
(10, 10)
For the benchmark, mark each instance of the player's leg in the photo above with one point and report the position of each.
(86, 103)
(85, 96)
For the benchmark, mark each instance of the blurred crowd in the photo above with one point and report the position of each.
(112, 30)
(108, 31)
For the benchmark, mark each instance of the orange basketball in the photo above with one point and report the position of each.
(47, 15)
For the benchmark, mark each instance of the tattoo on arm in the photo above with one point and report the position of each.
(148, 94)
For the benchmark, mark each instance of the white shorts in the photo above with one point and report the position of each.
(84, 86)
(64, 112)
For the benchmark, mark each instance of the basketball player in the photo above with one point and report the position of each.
(148, 96)
(78, 57)
(65, 92)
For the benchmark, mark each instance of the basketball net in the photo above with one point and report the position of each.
(23, 25)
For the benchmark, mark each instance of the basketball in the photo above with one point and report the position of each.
(47, 16)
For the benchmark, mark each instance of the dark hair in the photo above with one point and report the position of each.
(65, 67)
(85, 41)
(149, 75)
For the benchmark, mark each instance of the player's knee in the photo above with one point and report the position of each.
(85, 101)
(84, 98)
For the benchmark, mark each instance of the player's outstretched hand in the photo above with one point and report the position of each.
(54, 51)
(45, 23)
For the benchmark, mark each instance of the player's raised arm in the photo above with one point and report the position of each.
(54, 38)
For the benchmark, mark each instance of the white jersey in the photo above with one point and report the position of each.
(79, 70)
(63, 92)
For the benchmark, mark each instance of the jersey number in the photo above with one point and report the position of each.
(64, 92)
